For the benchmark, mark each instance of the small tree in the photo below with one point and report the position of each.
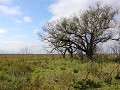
(84, 31)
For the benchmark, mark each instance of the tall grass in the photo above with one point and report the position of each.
(51, 72)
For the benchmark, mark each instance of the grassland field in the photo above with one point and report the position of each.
(52, 72)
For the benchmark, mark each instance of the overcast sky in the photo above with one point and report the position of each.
(20, 20)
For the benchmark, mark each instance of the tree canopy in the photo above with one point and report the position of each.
(82, 32)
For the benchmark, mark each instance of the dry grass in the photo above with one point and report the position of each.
(52, 72)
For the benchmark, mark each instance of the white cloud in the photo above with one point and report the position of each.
(1, 36)
(27, 19)
(11, 42)
(9, 46)
(10, 10)
(13, 46)
(5, 1)
(68, 7)
(18, 21)
(2, 31)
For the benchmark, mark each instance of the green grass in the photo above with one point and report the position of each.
(51, 72)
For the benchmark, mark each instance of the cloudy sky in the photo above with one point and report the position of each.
(20, 20)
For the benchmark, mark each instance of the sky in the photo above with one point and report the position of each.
(20, 20)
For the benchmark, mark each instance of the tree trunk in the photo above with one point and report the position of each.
(89, 54)
(71, 55)
(63, 55)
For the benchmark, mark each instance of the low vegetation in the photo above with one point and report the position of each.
(51, 72)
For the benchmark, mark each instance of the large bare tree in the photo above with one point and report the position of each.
(82, 32)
